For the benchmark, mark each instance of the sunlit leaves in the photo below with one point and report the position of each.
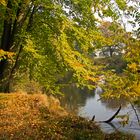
(5, 54)
(121, 4)
(3, 2)
(122, 86)
(30, 49)
(133, 67)
(73, 60)
(124, 119)
(61, 38)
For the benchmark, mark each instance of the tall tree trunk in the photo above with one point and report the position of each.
(29, 26)
(7, 86)
(10, 29)
(7, 41)
(6, 37)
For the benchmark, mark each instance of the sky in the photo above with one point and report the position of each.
(123, 19)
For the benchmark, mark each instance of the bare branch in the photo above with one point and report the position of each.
(133, 107)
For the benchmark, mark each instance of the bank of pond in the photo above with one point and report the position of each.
(86, 103)
(37, 116)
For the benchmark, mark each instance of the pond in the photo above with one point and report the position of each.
(86, 103)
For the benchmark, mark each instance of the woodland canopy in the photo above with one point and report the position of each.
(48, 43)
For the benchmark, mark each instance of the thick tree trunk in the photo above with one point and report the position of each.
(7, 86)
(9, 31)
(6, 38)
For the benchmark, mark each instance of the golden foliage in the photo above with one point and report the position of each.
(36, 117)
(22, 112)
(3, 2)
(5, 54)
(133, 67)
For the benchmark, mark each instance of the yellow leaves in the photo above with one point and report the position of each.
(91, 78)
(124, 119)
(111, 94)
(77, 64)
(136, 88)
(133, 67)
(10, 54)
(5, 54)
(3, 2)
(2, 53)
(132, 50)
(122, 86)
(30, 49)
(24, 114)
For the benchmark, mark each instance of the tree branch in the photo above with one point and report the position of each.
(133, 107)
(111, 118)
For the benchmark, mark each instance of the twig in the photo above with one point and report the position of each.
(133, 107)
(93, 118)
(110, 119)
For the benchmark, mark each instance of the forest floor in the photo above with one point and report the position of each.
(40, 117)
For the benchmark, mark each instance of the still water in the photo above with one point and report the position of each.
(86, 103)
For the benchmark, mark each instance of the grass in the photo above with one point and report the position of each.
(39, 117)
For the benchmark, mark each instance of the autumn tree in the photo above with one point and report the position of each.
(42, 41)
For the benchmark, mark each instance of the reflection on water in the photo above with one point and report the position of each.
(75, 98)
(86, 103)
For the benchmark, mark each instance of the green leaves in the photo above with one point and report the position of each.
(118, 87)
(121, 4)
(60, 41)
